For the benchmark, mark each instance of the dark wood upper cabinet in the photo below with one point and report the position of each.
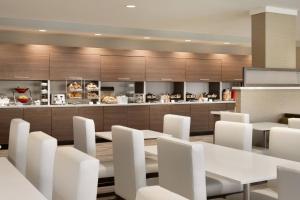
(6, 115)
(39, 119)
(24, 62)
(122, 68)
(114, 115)
(94, 113)
(203, 70)
(165, 69)
(157, 113)
(74, 66)
(232, 67)
(138, 117)
(62, 123)
(199, 117)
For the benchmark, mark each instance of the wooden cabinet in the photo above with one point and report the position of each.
(6, 115)
(199, 117)
(74, 66)
(214, 118)
(138, 117)
(184, 110)
(157, 113)
(24, 62)
(62, 123)
(232, 67)
(114, 115)
(94, 113)
(122, 68)
(203, 70)
(39, 119)
(165, 69)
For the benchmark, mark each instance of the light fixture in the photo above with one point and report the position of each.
(227, 43)
(97, 34)
(42, 30)
(130, 6)
(146, 38)
(188, 40)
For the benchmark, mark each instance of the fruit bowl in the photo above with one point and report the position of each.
(23, 99)
(21, 90)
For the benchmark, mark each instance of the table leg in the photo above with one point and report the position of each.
(266, 139)
(246, 191)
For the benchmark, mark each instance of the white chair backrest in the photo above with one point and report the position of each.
(129, 161)
(284, 143)
(17, 144)
(177, 126)
(235, 117)
(84, 135)
(181, 168)
(288, 183)
(40, 162)
(75, 175)
(294, 123)
(234, 134)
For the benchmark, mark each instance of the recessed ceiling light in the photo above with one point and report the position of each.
(147, 38)
(130, 6)
(97, 34)
(227, 43)
(188, 40)
(42, 30)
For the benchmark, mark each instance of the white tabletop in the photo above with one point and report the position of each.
(266, 126)
(148, 134)
(242, 166)
(14, 186)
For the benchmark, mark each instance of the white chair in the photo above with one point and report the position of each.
(235, 117)
(85, 141)
(177, 126)
(284, 143)
(75, 175)
(182, 168)
(294, 123)
(157, 192)
(234, 135)
(40, 162)
(17, 145)
(288, 183)
(129, 161)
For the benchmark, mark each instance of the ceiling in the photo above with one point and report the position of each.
(196, 20)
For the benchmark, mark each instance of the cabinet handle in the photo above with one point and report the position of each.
(22, 77)
(123, 78)
(204, 79)
(166, 79)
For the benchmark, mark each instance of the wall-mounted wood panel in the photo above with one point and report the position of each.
(165, 69)
(203, 70)
(138, 117)
(39, 119)
(74, 66)
(114, 115)
(6, 115)
(122, 68)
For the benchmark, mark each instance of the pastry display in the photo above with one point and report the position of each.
(23, 99)
(75, 95)
(91, 86)
(109, 99)
(92, 95)
(74, 86)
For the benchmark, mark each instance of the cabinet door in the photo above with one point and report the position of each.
(214, 118)
(24, 62)
(62, 123)
(157, 113)
(165, 69)
(114, 115)
(203, 70)
(122, 68)
(184, 110)
(232, 67)
(74, 66)
(199, 117)
(94, 113)
(6, 115)
(39, 119)
(138, 117)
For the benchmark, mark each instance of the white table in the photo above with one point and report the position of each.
(148, 134)
(265, 128)
(242, 166)
(14, 186)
